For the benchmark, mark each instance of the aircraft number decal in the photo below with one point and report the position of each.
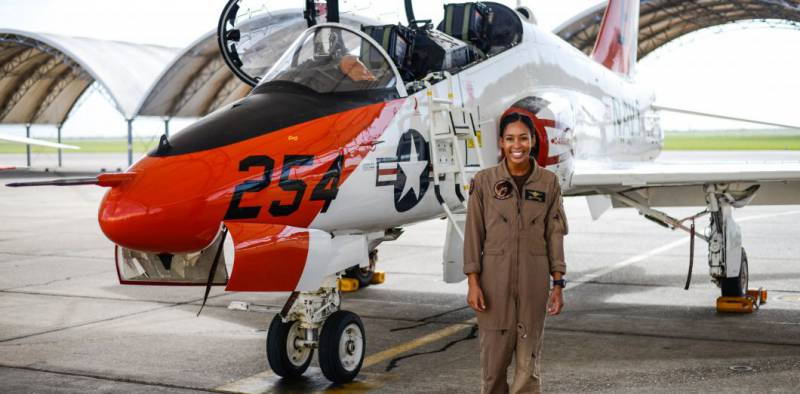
(249, 186)
(291, 185)
(326, 190)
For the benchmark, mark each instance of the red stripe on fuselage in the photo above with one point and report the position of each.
(176, 203)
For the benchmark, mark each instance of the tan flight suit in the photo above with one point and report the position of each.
(513, 243)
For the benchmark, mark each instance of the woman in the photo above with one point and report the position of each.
(514, 242)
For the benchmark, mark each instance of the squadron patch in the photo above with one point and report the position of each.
(503, 189)
(534, 195)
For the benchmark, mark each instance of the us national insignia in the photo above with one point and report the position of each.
(534, 195)
(502, 189)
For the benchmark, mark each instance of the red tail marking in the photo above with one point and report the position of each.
(616, 45)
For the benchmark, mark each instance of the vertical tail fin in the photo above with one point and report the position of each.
(616, 45)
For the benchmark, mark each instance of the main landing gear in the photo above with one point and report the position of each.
(727, 259)
(313, 320)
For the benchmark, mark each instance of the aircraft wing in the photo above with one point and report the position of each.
(662, 183)
(31, 141)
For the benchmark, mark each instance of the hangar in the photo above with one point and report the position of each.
(44, 75)
(661, 21)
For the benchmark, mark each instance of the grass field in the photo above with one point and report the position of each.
(99, 145)
(732, 140)
(698, 140)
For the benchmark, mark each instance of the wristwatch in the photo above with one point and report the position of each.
(560, 282)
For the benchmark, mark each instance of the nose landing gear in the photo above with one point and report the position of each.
(313, 320)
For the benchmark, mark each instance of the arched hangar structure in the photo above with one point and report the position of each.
(42, 76)
(661, 21)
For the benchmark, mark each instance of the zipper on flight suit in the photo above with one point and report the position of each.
(515, 262)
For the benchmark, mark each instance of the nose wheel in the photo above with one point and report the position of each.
(342, 345)
(286, 352)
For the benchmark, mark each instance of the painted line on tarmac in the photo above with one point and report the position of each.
(674, 244)
(265, 381)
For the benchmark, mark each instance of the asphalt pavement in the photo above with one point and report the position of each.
(66, 325)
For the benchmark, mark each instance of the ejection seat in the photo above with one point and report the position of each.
(490, 27)
(397, 41)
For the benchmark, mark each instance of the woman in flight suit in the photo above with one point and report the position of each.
(514, 242)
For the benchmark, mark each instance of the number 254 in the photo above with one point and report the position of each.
(326, 189)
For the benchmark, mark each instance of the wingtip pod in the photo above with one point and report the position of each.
(104, 180)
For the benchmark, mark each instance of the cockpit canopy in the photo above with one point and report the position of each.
(360, 54)
(331, 58)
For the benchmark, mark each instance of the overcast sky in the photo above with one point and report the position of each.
(746, 71)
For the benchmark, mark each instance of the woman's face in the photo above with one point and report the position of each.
(516, 143)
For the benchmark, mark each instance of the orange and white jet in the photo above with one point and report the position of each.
(356, 131)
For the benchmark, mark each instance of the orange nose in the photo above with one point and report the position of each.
(163, 209)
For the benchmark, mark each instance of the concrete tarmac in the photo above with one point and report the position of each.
(66, 325)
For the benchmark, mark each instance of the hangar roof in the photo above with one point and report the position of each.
(43, 75)
(661, 21)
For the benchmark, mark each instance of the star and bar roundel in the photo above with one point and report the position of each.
(409, 172)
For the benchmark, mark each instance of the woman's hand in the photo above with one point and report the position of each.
(475, 294)
(556, 301)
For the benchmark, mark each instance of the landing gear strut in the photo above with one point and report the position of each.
(727, 259)
(313, 320)
(363, 274)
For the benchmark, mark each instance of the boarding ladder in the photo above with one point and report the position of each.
(449, 126)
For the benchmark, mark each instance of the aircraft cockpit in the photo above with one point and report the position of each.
(336, 57)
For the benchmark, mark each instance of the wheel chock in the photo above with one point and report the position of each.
(378, 277)
(347, 285)
(735, 304)
(760, 295)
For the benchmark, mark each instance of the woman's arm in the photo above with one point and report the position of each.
(474, 236)
(556, 228)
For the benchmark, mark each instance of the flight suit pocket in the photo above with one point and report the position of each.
(494, 283)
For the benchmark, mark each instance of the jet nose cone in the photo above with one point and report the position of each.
(163, 209)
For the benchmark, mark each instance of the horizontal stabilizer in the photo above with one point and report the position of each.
(31, 141)
(725, 117)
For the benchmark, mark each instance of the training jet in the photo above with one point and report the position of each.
(359, 129)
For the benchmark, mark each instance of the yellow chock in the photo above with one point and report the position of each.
(760, 295)
(735, 304)
(348, 285)
(378, 277)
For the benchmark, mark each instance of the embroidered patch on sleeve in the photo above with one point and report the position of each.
(535, 195)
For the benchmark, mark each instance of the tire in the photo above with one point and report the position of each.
(363, 275)
(737, 287)
(286, 362)
(342, 345)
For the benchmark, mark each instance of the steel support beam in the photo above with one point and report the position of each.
(130, 141)
(28, 146)
(59, 141)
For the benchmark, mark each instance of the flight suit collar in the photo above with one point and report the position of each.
(533, 177)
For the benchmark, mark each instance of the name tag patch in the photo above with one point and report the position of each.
(534, 195)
